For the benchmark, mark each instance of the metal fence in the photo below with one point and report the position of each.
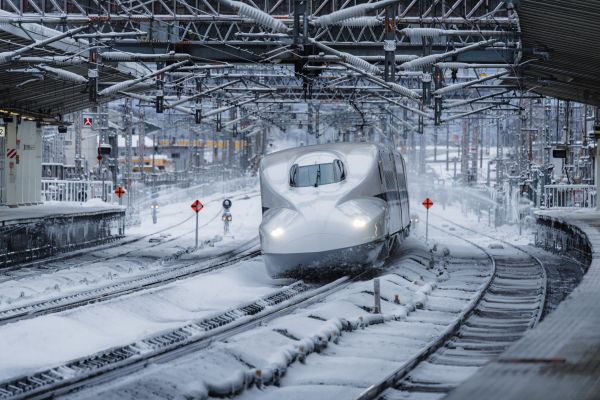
(570, 196)
(81, 191)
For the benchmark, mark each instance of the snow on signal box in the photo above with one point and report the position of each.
(197, 206)
(427, 203)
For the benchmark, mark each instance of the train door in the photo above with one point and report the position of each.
(384, 189)
(401, 173)
(394, 194)
(391, 191)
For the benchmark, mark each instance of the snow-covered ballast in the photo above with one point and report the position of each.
(31, 233)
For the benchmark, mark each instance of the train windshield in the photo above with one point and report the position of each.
(317, 174)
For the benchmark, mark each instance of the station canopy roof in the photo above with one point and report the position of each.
(562, 40)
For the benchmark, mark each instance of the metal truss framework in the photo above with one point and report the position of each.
(213, 30)
(340, 51)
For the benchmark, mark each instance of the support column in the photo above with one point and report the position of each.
(11, 164)
(23, 154)
(597, 137)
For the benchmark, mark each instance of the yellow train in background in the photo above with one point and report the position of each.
(219, 144)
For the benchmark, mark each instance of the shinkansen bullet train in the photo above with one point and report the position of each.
(333, 208)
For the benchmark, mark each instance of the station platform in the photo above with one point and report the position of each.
(36, 232)
(560, 358)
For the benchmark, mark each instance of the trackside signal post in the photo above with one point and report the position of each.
(226, 217)
(427, 203)
(120, 192)
(197, 206)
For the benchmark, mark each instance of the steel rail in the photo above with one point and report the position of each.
(123, 242)
(374, 391)
(124, 360)
(136, 284)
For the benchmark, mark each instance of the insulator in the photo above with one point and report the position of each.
(6, 56)
(117, 87)
(422, 61)
(62, 74)
(351, 12)
(418, 33)
(360, 63)
(261, 17)
(361, 22)
(122, 56)
(403, 90)
(453, 65)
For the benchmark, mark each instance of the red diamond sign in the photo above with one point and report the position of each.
(120, 192)
(427, 203)
(197, 206)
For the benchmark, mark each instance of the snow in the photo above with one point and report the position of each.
(337, 345)
(332, 349)
(34, 344)
(175, 231)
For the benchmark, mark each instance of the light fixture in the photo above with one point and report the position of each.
(277, 232)
(359, 223)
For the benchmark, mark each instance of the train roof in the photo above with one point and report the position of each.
(342, 148)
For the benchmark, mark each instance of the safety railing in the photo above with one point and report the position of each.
(78, 191)
(570, 196)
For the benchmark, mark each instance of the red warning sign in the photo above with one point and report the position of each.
(197, 206)
(88, 121)
(427, 203)
(120, 192)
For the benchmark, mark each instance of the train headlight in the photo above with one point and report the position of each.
(359, 222)
(277, 232)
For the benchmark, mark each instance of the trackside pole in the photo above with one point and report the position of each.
(427, 226)
(427, 203)
(196, 230)
(197, 206)
(376, 296)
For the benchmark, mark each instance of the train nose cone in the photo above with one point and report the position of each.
(310, 230)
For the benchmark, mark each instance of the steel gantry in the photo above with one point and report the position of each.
(60, 56)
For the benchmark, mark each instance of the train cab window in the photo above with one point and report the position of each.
(317, 174)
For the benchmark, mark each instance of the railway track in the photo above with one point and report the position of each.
(122, 360)
(41, 266)
(511, 304)
(188, 269)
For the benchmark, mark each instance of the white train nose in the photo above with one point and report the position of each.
(288, 231)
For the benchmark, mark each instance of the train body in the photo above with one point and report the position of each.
(330, 207)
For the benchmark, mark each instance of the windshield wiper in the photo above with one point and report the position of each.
(318, 178)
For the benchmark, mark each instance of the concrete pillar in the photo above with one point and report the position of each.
(23, 174)
(11, 164)
(597, 136)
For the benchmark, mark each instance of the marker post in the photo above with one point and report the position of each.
(197, 206)
(427, 203)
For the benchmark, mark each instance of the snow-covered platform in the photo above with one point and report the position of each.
(560, 358)
(34, 232)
